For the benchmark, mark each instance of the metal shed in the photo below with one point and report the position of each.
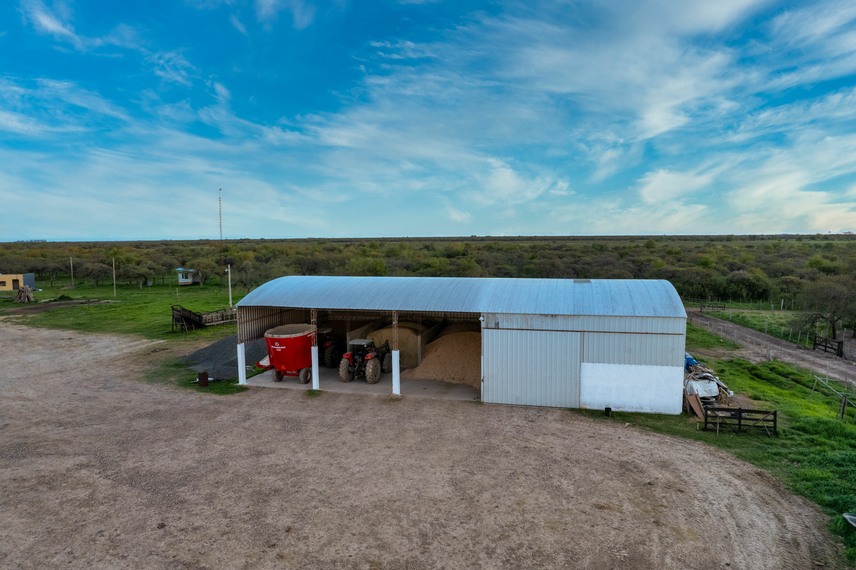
(573, 343)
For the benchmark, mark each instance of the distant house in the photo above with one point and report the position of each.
(188, 276)
(14, 281)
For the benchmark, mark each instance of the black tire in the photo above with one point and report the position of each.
(387, 363)
(344, 373)
(278, 376)
(331, 356)
(305, 375)
(372, 371)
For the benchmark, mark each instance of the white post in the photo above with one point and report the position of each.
(316, 381)
(396, 374)
(229, 272)
(242, 364)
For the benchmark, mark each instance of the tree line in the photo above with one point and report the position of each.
(815, 271)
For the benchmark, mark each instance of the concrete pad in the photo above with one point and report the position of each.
(329, 381)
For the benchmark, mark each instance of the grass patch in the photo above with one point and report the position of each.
(780, 324)
(173, 372)
(699, 338)
(146, 312)
(312, 393)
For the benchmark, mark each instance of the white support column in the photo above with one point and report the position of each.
(316, 381)
(242, 364)
(396, 374)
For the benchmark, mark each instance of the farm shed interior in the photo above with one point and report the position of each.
(573, 343)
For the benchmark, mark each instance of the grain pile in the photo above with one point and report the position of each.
(454, 357)
(408, 341)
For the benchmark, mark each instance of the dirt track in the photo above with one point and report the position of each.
(758, 346)
(99, 469)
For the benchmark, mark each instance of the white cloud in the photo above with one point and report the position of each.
(77, 96)
(458, 216)
(302, 12)
(45, 21)
(21, 124)
(402, 50)
(171, 66)
(665, 185)
(236, 22)
(56, 23)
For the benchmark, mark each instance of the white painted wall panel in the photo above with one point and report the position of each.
(535, 368)
(631, 388)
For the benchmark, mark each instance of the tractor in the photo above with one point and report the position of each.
(365, 360)
(328, 351)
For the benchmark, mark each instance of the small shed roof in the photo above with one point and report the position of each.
(597, 297)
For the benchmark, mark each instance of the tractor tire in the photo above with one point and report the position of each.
(344, 373)
(372, 371)
(331, 357)
(305, 375)
(387, 363)
(278, 376)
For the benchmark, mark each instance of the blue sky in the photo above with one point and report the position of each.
(122, 120)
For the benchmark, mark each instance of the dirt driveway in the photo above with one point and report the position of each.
(758, 346)
(99, 469)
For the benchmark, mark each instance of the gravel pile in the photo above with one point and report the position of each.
(454, 357)
(220, 359)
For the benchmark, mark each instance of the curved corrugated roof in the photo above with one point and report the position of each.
(599, 297)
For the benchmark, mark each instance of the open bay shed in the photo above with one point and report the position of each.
(574, 343)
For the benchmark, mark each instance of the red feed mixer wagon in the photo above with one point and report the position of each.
(290, 351)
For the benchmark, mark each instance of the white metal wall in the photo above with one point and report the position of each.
(587, 323)
(632, 388)
(631, 363)
(535, 368)
(645, 349)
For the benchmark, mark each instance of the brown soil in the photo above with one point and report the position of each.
(454, 357)
(99, 469)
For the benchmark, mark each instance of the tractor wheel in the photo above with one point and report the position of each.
(372, 371)
(278, 376)
(305, 375)
(387, 363)
(344, 373)
(331, 356)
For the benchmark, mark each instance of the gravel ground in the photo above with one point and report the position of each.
(220, 359)
(99, 469)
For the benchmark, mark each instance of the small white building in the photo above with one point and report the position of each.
(187, 276)
(570, 343)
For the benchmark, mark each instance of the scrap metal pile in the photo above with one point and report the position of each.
(702, 388)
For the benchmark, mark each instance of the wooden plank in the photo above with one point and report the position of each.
(695, 405)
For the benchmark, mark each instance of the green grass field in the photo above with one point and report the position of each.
(780, 324)
(146, 312)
